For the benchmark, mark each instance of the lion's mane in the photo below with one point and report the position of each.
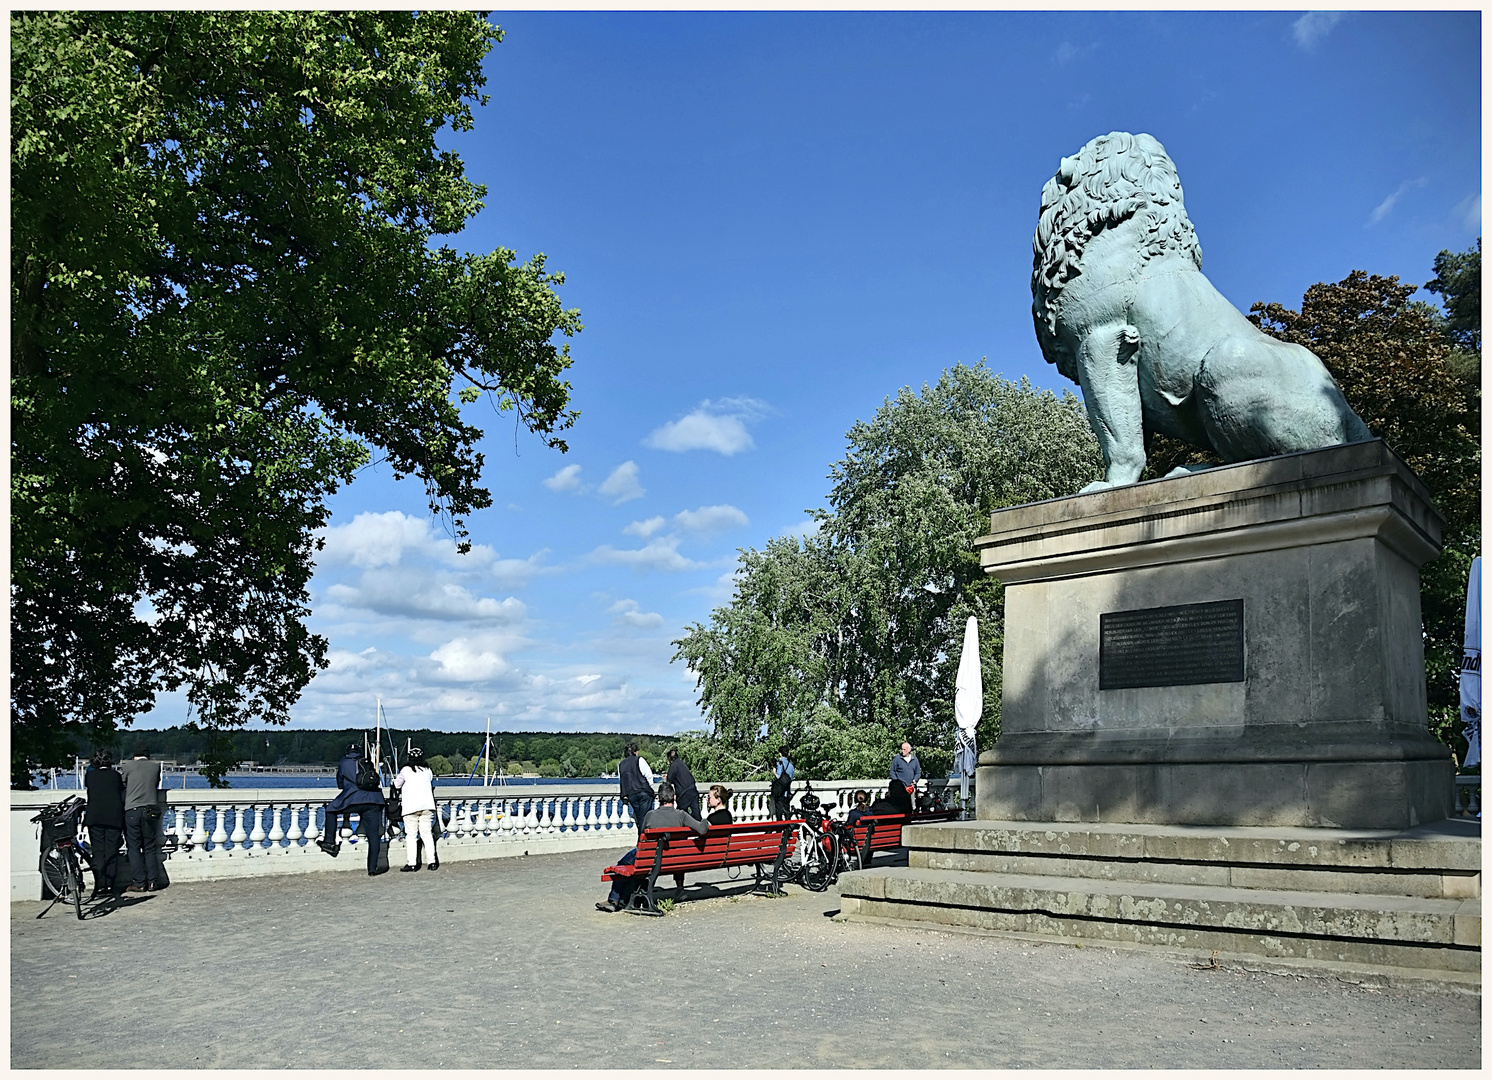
(1113, 178)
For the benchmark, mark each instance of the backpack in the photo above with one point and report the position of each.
(781, 785)
(367, 776)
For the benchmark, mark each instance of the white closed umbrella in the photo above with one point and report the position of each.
(1471, 667)
(968, 706)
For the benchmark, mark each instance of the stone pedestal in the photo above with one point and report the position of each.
(1315, 718)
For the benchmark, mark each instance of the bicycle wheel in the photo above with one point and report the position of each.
(849, 857)
(818, 867)
(74, 880)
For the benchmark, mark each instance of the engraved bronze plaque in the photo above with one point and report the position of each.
(1171, 646)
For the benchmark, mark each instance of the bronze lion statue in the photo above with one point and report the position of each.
(1123, 309)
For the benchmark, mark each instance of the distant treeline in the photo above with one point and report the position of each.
(544, 752)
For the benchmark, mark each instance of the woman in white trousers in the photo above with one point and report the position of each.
(416, 784)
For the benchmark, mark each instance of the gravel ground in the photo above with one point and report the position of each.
(507, 964)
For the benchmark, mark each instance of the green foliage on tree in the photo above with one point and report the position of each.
(228, 290)
(842, 644)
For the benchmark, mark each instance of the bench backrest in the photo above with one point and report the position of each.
(724, 845)
(887, 833)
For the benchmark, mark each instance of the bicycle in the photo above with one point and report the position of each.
(824, 848)
(61, 869)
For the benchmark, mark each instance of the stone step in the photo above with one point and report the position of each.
(1441, 861)
(1372, 931)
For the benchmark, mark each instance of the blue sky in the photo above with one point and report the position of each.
(772, 221)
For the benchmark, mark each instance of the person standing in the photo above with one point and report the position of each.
(906, 769)
(142, 820)
(416, 782)
(366, 801)
(104, 817)
(782, 786)
(683, 783)
(637, 791)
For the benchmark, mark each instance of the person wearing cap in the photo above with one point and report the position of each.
(367, 804)
(416, 782)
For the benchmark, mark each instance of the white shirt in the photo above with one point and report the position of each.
(642, 763)
(418, 788)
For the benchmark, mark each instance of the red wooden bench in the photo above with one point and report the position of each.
(882, 832)
(679, 850)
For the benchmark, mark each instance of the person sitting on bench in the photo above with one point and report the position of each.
(895, 801)
(665, 816)
(862, 806)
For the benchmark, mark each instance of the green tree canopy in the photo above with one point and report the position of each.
(844, 643)
(227, 291)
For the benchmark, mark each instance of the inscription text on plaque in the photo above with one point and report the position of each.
(1171, 646)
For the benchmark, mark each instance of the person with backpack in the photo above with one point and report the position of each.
(416, 785)
(782, 786)
(361, 792)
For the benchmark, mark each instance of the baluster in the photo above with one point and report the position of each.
(570, 822)
(239, 835)
(312, 831)
(219, 834)
(256, 838)
(198, 838)
(587, 819)
(276, 834)
(293, 834)
(548, 823)
(508, 823)
(459, 826)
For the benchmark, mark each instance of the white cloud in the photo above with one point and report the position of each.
(1382, 210)
(622, 486)
(422, 596)
(646, 528)
(567, 479)
(1469, 212)
(721, 590)
(659, 554)
(711, 519)
(1313, 26)
(472, 659)
(370, 540)
(629, 612)
(714, 425)
(803, 529)
(1067, 52)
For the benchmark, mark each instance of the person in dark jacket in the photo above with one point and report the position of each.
(104, 817)
(719, 806)
(683, 783)
(895, 801)
(367, 804)
(665, 816)
(781, 794)
(142, 821)
(637, 791)
(862, 806)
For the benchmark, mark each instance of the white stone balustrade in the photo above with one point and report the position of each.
(246, 832)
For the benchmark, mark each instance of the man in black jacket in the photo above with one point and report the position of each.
(683, 783)
(367, 804)
(637, 790)
(104, 817)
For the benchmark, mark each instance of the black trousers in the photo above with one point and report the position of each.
(104, 842)
(142, 831)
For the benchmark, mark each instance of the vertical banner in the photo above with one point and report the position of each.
(1471, 667)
